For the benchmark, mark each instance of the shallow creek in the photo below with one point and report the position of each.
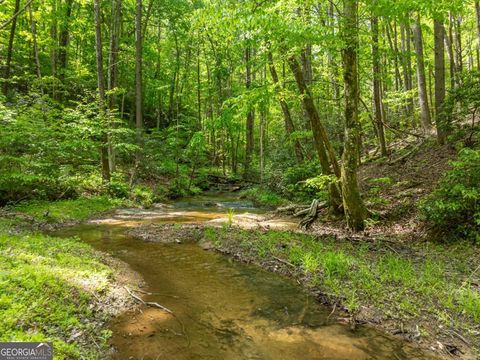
(222, 309)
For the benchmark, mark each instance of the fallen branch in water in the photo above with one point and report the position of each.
(148, 303)
(157, 294)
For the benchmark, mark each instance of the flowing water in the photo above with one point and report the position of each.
(222, 309)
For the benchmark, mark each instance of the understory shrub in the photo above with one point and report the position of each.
(454, 206)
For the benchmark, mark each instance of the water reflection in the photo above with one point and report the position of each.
(226, 310)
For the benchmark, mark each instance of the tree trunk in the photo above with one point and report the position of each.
(101, 91)
(33, 27)
(63, 41)
(8, 63)
(289, 126)
(377, 87)
(394, 49)
(326, 154)
(355, 211)
(138, 79)
(439, 47)
(451, 58)
(112, 73)
(406, 62)
(199, 89)
(477, 13)
(421, 78)
(250, 115)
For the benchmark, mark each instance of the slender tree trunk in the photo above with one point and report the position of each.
(394, 49)
(199, 88)
(421, 78)
(8, 63)
(138, 79)
(326, 154)
(355, 211)
(101, 91)
(63, 41)
(477, 13)
(377, 87)
(33, 27)
(451, 58)
(53, 52)
(250, 115)
(289, 126)
(457, 22)
(112, 71)
(406, 62)
(439, 35)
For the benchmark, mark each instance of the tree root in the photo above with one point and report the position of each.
(310, 213)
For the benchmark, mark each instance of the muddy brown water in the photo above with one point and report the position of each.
(223, 309)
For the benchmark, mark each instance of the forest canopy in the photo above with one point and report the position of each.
(152, 98)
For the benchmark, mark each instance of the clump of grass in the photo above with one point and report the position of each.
(46, 291)
(263, 197)
(67, 210)
(230, 215)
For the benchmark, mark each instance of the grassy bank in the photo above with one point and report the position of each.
(45, 214)
(263, 197)
(53, 289)
(427, 292)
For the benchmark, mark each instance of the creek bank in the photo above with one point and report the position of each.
(59, 289)
(418, 294)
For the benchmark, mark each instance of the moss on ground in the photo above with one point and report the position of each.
(432, 285)
(67, 210)
(49, 291)
(55, 289)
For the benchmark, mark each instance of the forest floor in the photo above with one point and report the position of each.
(56, 289)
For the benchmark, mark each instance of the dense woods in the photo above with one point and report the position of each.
(177, 123)
(109, 96)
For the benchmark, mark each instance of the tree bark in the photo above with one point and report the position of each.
(326, 153)
(101, 91)
(250, 115)
(33, 27)
(451, 58)
(113, 70)
(477, 13)
(406, 61)
(377, 87)
(439, 48)
(355, 211)
(421, 77)
(63, 41)
(138, 79)
(289, 125)
(8, 63)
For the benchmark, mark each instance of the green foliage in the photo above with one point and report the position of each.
(143, 195)
(48, 152)
(454, 207)
(263, 197)
(67, 210)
